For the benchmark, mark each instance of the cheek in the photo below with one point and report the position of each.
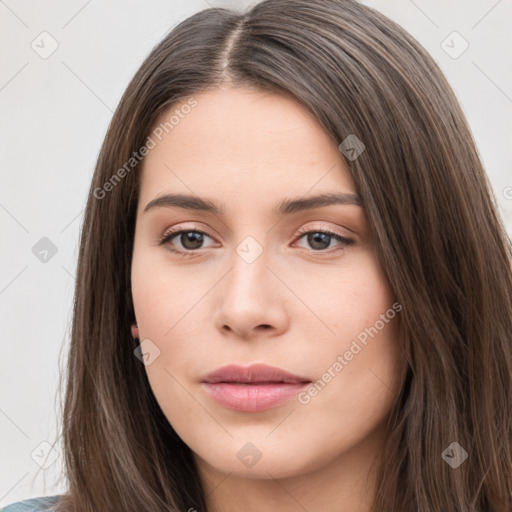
(162, 294)
(356, 382)
(357, 367)
(161, 301)
(347, 300)
(166, 303)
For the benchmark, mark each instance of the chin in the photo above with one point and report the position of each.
(264, 460)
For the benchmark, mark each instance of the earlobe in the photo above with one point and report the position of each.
(135, 331)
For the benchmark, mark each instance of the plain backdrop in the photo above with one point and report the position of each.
(65, 65)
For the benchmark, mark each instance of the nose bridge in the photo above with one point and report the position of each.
(249, 274)
(248, 297)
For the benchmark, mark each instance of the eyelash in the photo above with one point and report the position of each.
(168, 236)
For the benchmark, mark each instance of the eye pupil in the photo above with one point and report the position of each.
(322, 238)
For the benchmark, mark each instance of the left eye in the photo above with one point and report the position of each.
(321, 240)
(191, 240)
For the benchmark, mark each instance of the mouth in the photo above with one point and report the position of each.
(254, 374)
(253, 389)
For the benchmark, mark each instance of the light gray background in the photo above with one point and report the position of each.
(55, 112)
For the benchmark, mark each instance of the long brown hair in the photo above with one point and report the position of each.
(441, 244)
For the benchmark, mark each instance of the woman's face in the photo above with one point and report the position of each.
(256, 282)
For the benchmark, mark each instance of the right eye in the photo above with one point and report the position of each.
(190, 240)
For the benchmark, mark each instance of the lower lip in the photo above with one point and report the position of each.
(253, 397)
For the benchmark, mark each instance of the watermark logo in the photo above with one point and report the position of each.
(147, 352)
(454, 455)
(351, 147)
(249, 249)
(44, 250)
(249, 455)
(44, 45)
(454, 45)
(44, 454)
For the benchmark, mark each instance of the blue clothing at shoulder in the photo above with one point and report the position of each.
(33, 505)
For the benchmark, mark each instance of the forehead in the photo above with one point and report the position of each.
(240, 141)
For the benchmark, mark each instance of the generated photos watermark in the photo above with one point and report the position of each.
(343, 360)
(137, 156)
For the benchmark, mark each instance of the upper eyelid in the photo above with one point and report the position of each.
(301, 231)
(173, 231)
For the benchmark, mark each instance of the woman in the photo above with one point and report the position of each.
(293, 289)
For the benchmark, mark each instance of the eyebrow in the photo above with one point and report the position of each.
(285, 207)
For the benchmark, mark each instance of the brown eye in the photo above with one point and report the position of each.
(190, 240)
(320, 240)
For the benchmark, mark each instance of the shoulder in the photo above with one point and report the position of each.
(33, 505)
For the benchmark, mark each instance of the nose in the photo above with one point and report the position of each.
(251, 300)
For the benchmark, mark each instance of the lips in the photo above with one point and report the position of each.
(253, 389)
(257, 373)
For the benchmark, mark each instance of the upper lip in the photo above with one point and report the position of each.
(253, 373)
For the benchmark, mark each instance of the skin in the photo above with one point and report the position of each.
(297, 306)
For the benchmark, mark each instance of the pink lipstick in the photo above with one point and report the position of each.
(252, 389)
